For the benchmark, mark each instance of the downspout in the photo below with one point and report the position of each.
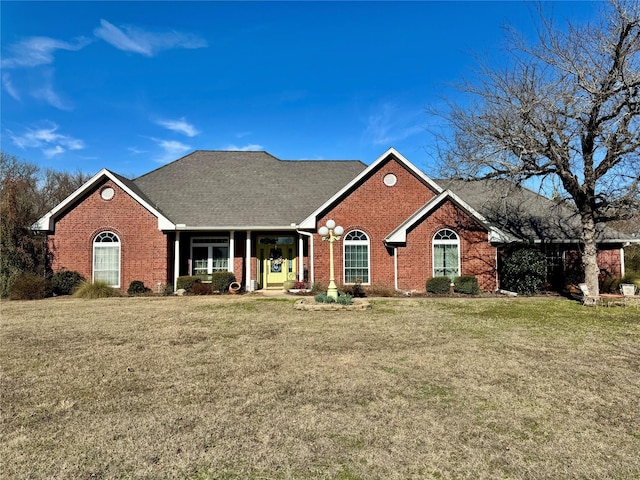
(395, 267)
(622, 262)
(176, 260)
(311, 257)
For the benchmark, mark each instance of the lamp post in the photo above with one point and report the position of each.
(330, 233)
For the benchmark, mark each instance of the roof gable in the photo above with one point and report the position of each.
(391, 153)
(47, 222)
(399, 235)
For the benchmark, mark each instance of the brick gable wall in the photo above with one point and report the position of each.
(377, 210)
(477, 255)
(145, 251)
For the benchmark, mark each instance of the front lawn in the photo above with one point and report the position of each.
(249, 388)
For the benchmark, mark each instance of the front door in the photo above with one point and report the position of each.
(277, 260)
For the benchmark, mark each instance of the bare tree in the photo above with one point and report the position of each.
(566, 109)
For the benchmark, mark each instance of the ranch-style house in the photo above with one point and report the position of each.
(258, 217)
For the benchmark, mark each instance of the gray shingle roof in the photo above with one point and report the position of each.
(243, 189)
(522, 213)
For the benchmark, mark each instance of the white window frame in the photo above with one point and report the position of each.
(98, 244)
(210, 243)
(345, 243)
(445, 241)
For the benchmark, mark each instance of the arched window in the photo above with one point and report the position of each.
(106, 259)
(446, 254)
(356, 257)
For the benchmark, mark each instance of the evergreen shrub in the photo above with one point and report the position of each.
(438, 285)
(187, 282)
(523, 270)
(137, 287)
(220, 281)
(65, 282)
(467, 284)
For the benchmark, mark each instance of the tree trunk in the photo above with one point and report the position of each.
(589, 256)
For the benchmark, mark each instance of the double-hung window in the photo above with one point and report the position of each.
(356, 257)
(446, 254)
(106, 259)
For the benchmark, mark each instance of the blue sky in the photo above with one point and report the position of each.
(130, 86)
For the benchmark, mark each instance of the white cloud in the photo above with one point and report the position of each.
(180, 126)
(36, 51)
(390, 124)
(46, 139)
(47, 93)
(171, 150)
(8, 86)
(136, 40)
(247, 148)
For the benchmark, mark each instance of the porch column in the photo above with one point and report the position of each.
(232, 249)
(247, 261)
(176, 260)
(300, 259)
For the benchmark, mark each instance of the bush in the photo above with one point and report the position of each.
(318, 287)
(439, 285)
(523, 270)
(64, 282)
(187, 282)
(467, 284)
(381, 290)
(324, 298)
(201, 289)
(29, 286)
(220, 281)
(345, 299)
(96, 289)
(355, 290)
(137, 287)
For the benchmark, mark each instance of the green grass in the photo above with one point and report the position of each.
(238, 387)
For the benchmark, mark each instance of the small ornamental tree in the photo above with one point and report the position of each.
(523, 270)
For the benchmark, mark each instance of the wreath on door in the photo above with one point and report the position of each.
(275, 256)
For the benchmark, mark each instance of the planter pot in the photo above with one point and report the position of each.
(627, 289)
(234, 288)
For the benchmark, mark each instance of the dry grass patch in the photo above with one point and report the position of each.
(239, 387)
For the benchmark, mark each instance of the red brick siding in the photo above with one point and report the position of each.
(144, 249)
(377, 210)
(610, 261)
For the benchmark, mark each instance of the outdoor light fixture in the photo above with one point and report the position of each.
(330, 233)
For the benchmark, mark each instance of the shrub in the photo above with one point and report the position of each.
(380, 290)
(439, 285)
(29, 286)
(467, 284)
(137, 287)
(96, 289)
(300, 285)
(324, 298)
(355, 290)
(318, 287)
(200, 288)
(220, 281)
(64, 282)
(345, 299)
(523, 270)
(187, 282)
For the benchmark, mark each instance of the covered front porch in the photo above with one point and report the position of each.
(259, 259)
